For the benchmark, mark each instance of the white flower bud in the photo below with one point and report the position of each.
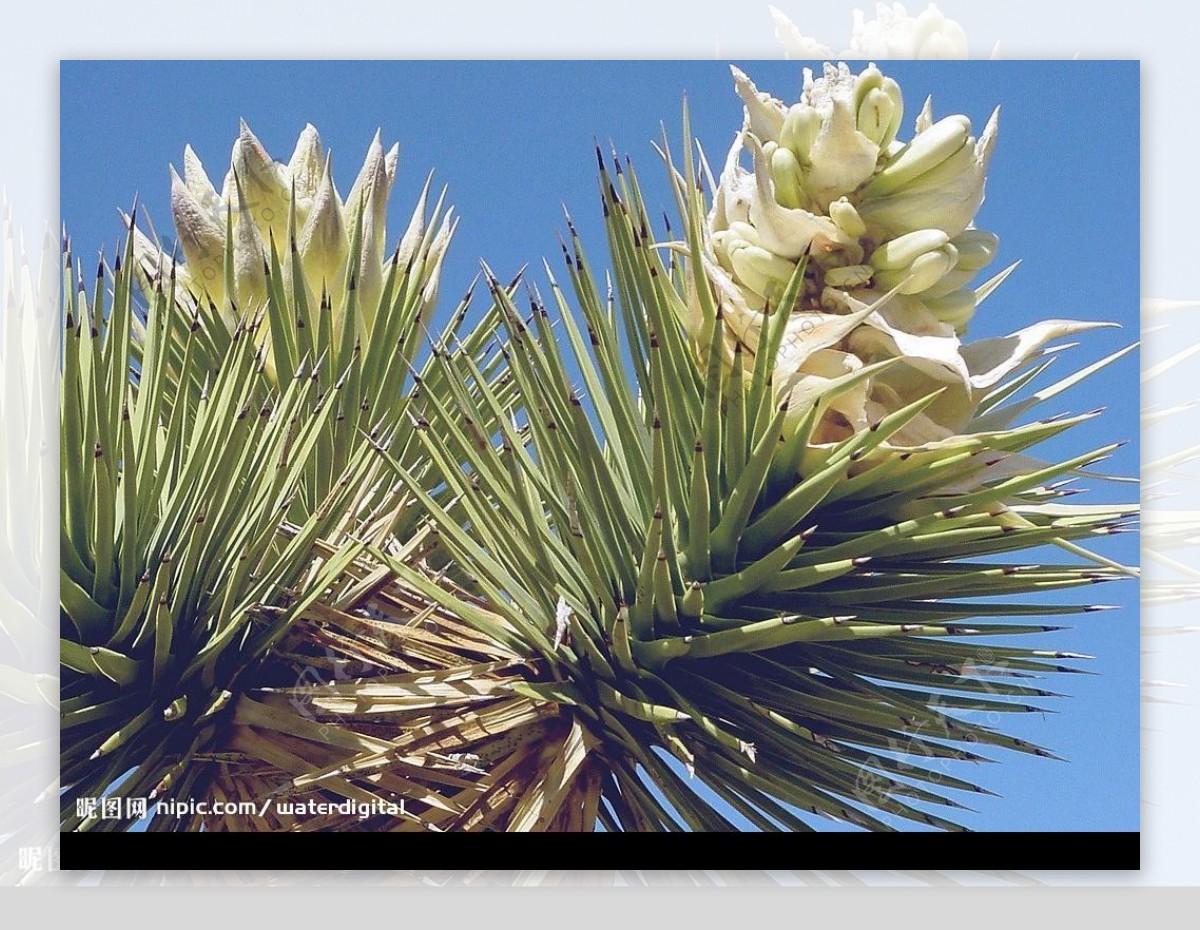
(800, 129)
(976, 248)
(903, 251)
(846, 218)
(263, 202)
(306, 168)
(788, 178)
(323, 242)
(924, 272)
(955, 308)
(261, 180)
(201, 237)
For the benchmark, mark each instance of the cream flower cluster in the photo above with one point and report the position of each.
(887, 229)
(893, 33)
(265, 204)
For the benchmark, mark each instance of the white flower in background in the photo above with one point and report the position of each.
(796, 45)
(264, 204)
(893, 33)
(892, 252)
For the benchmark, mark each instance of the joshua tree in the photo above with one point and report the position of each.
(716, 550)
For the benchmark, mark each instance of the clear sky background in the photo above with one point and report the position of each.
(513, 141)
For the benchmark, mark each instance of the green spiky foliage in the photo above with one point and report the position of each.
(209, 506)
(502, 600)
(736, 618)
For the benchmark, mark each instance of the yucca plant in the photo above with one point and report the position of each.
(522, 590)
(761, 586)
(218, 484)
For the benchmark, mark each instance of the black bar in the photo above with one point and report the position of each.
(938, 851)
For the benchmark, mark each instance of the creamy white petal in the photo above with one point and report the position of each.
(249, 261)
(903, 327)
(787, 231)
(197, 181)
(368, 198)
(305, 169)
(263, 186)
(737, 190)
(990, 360)
(391, 164)
(810, 331)
(823, 374)
(841, 157)
(925, 117)
(201, 238)
(416, 226)
(437, 252)
(765, 112)
(323, 242)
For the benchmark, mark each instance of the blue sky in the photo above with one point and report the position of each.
(513, 141)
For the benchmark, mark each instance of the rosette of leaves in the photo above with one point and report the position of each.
(212, 508)
(738, 625)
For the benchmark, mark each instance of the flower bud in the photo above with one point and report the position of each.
(261, 182)
(306, 168)
(875, 116)
(846, 218)
(762, 271)
(875, 218)
(201, 237)
(263, 202)
(800, 130)
(976, 248)
(323, 242)
(955, 308)
(903, 251)
(924, 272)
(926, 152)
(785, 172)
